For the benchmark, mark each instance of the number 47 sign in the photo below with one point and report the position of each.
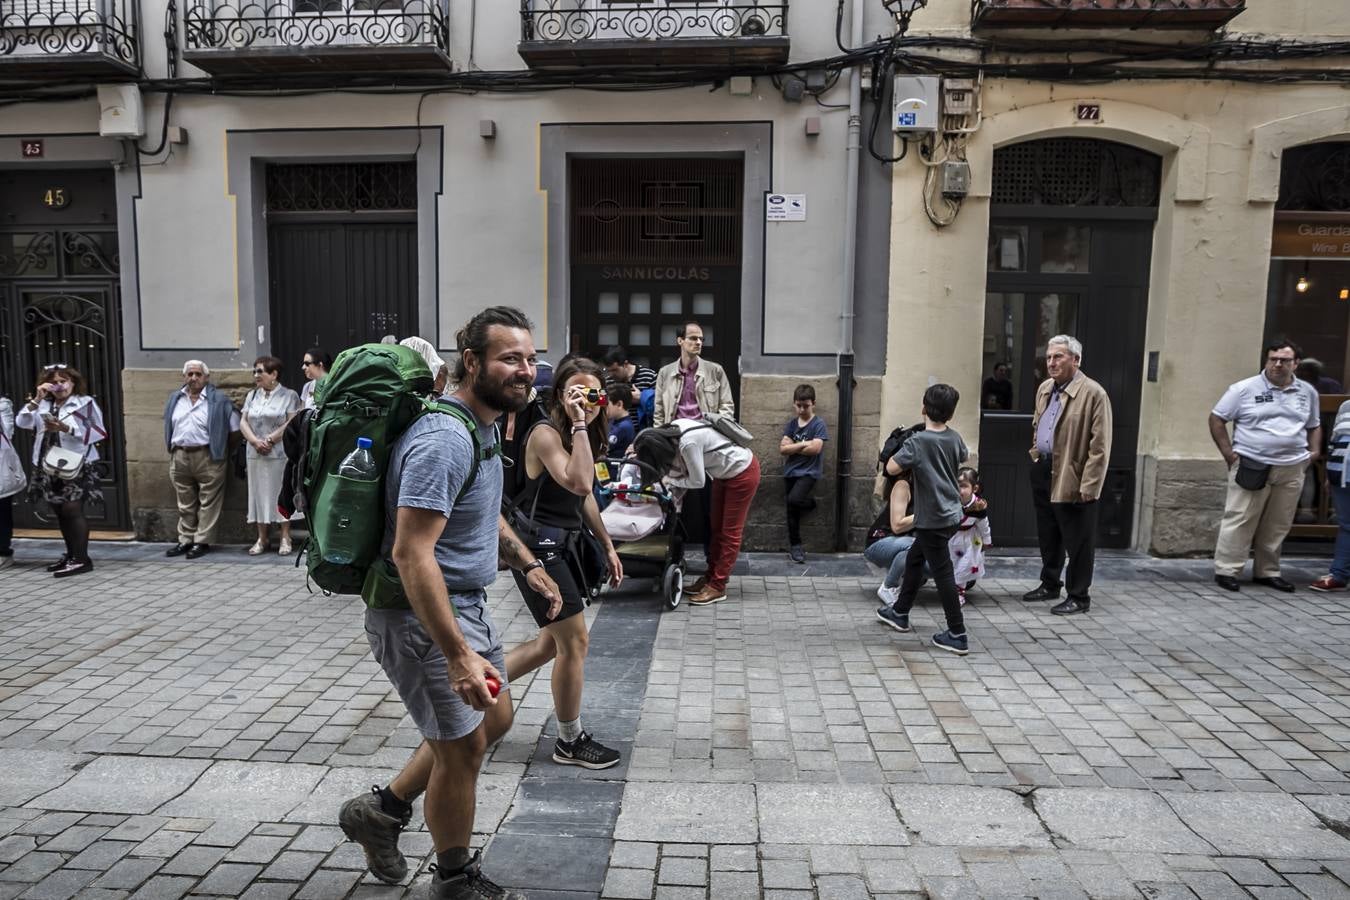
(1088, 112)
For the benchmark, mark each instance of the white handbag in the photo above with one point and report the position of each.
(62, 463)
(12, 478)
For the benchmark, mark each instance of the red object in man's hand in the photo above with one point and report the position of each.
(493, 685)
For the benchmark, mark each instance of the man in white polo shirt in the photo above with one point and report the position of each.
(1277, 432)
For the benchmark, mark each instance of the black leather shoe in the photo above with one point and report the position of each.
(197, 550)
(1275, 582)
(1228, 583)
(60, 563)
(1071, 607)
(178, 550)
(1041, 593)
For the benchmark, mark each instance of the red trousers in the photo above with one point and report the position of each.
(730, 506)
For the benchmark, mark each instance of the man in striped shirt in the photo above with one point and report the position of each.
(619, 370)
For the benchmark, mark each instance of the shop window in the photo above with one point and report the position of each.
(1308, 293)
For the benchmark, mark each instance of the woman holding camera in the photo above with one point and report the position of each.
(557, 470)
(67, 424)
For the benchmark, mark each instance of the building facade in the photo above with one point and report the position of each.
(1163, 217)
(331, 173)
(275, 176)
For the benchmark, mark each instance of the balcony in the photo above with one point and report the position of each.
(1204, 15)
(720, 34)
(240, 37)
(83, 38)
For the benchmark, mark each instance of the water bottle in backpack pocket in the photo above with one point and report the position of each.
(351, 492)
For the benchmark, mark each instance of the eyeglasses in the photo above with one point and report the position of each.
(194, 375)
(1281, 360)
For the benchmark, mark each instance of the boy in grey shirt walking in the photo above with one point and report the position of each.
(933, 456)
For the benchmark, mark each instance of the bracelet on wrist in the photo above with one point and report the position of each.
(531, 566)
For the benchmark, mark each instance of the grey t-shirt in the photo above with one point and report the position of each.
(427, 468)
(934, 457)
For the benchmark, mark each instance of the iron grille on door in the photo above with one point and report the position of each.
(1076, 172)
(649, 211)
(342, 187)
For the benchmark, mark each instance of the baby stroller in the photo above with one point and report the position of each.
(645, 527)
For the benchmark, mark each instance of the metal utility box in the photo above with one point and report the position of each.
(916, 104)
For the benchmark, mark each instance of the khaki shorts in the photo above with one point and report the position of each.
(418, 669)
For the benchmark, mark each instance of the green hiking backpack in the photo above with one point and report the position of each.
(374, 391)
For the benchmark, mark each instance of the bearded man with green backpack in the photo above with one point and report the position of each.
(436, 489)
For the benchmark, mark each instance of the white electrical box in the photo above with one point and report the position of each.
(958, 96)
(916, 104)
(121, 114)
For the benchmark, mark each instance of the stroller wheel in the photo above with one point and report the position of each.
(672, 584)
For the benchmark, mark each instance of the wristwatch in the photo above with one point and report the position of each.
(531, 566)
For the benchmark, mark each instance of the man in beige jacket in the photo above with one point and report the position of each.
(692, 385)
(1070, 449)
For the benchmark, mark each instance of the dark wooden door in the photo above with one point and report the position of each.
(338, 284)
(1062, 274)
(655, 242)
(60, 302)
(643, 315)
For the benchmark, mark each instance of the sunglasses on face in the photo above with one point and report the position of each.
(55, 367)
(259, 371)
(306, 362)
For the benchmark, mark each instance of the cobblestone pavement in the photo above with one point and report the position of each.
(173, 728)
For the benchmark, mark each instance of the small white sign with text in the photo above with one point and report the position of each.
(785, 208)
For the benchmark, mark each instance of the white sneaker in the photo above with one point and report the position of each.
(888, 595)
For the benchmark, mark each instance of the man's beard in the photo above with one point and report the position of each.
(494, 393)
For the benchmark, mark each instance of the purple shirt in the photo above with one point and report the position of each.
(1045, 428)
(688, 407)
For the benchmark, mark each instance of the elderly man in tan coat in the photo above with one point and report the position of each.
(1070, 449)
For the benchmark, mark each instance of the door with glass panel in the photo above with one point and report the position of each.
(644, 316)
(1056, 276)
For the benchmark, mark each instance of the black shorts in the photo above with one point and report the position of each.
(558, 567)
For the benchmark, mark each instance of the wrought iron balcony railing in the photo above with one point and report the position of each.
(1198, 14)
(227, 36)
(653, 32)
(70, 36)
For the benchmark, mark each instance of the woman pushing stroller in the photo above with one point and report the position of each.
(693, 452)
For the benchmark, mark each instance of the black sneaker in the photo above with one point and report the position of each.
(797, 553)
(584, 752)
(469, 883)
(898, 621)
(364, 821)
(952, 643)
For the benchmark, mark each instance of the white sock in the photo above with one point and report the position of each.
(569, 731)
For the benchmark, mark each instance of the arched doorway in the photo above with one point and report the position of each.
(1070, 241)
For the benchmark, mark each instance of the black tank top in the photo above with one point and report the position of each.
(543, 499)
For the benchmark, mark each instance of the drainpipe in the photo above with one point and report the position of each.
(844, 464)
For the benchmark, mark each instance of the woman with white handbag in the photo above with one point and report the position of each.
(12, 480)
(67, 424)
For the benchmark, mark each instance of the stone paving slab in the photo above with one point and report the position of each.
(958, 816)
(124, 784)
(688, 813)
(1269, 825)
(29, 773)
(1127, 821)
(258, 791)
(828, 813)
